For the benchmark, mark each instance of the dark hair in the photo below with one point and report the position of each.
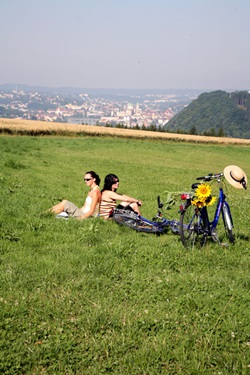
(94, 175)
(109, 181)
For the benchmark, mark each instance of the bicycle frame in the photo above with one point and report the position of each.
(219, 209)
(198, 223)
(211, 226)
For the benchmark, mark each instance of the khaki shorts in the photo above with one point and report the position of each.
(72, 210)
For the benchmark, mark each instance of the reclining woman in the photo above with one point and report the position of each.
(109, 197)
(91, 205)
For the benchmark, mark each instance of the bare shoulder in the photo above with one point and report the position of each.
(107, 194)
(96, 192)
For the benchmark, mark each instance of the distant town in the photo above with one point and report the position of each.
(128, 109)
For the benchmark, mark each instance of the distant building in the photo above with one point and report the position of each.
(112, 120)
(84, 120)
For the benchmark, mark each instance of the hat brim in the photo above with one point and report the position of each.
(227, 173)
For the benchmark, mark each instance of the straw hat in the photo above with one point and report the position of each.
(235, 176)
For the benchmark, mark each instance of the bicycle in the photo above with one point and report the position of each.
(194, 221)
(128, 217)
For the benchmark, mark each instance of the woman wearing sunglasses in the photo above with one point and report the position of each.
(109, 197)
(91, 205)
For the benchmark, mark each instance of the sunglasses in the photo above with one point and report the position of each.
(87, 179)
(115, 182)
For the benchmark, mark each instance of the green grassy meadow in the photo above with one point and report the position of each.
(91, 297)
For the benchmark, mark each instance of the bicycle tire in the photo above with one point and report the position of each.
(135, 222)
(189, 223)
(228, 223)
(126, 221)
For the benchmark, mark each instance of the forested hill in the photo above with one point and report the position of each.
(215, 113)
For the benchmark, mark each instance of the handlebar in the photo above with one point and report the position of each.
(211, 176)
(160, 205)
(216, 176)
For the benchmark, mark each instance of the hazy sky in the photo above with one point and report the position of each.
(200, 44)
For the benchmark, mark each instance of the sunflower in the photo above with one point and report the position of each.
(211, 200)
(198, 203)
(203, 196)
(203, 191)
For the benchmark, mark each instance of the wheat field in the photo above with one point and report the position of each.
(19, 126)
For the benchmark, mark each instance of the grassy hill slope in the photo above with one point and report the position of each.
(91, 298)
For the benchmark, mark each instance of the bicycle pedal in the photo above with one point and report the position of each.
(214, 236)
(224, 244)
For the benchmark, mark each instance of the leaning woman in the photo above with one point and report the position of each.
(91, 205)
(110, 197)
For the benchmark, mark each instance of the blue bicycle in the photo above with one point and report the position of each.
(195, 226)
(158, 225)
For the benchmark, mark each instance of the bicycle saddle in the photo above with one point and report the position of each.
(195, 185)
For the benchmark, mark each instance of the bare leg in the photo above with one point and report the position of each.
(58, 208)
(132, 205)
(135, 208)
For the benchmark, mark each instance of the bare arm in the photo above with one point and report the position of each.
(123, 197)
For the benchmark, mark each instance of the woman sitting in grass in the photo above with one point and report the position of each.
(109, 197)
(91, 205)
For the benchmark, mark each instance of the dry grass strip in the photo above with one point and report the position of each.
(27, 127)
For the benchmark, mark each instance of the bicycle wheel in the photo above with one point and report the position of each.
(128, 221)
(189, 226)
(134, 221)
(228, 224)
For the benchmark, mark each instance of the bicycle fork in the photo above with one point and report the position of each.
(227, 217)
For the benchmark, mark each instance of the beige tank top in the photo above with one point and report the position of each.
(88, 202)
